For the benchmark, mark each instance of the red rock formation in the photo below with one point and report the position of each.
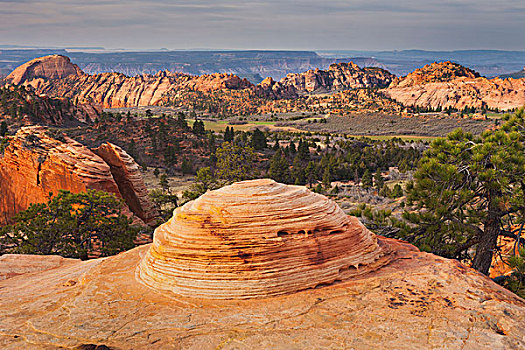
(23, 106)
(127, 176)
(47, 67)
(36, 163)
(338, 77)
(451, 85)
(255, 239)
(435, 73)
(110, 90)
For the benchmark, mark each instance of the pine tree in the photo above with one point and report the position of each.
(258, 141)
(470, 190)
(366, 180)
(303, 150)
(279, 168)
(72, 225)
(378, 180)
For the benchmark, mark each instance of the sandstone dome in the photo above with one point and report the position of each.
(258, 238)
(47, 67)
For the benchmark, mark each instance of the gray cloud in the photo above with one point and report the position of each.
(279, 24)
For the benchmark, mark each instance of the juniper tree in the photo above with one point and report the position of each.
(71, 225)
(258, 140)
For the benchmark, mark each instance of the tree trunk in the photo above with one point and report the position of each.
(488, 241)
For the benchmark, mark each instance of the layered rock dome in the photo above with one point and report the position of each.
(258, 238)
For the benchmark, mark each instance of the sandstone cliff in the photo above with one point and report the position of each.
(36, 162)
(338, 77)
(412, 300)
(451, 85)
(111, 90)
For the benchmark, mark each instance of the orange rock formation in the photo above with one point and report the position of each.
(47, 67)
(127, 176)
(338, 77)
(448, 84)
(110, 90)
(258, 238)
(36, 163)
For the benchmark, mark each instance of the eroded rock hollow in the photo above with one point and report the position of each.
(258, 238)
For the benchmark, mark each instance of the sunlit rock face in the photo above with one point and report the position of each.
(38, 162)
(449, 84)
(258, 238)
(47, 67)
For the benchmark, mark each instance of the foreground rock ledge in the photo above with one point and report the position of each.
(418, 301)
(359, 291)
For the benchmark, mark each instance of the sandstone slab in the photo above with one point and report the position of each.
(418, 301)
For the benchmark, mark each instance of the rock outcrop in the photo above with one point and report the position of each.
(113, 90)
(448, 84)
(415, 301)
(24, 107)
(47, 67)
(37, 162)
(126, 174)
(338, 77)
(258, 238)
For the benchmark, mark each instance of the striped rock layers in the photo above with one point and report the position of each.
(258, 238)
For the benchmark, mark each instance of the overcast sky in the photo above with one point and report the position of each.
(270, 24)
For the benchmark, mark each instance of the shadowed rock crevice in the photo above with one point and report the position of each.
(126, 173)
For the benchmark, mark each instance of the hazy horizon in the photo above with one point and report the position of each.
(372, 25)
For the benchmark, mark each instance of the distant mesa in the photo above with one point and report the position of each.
(47, 67)
(516, 75)
(38, 161)
(255, 239)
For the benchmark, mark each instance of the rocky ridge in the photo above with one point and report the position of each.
(24, 107)
(448, 84)
(338, 77)
(50, 302)
(37, 162)
(113, 90)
